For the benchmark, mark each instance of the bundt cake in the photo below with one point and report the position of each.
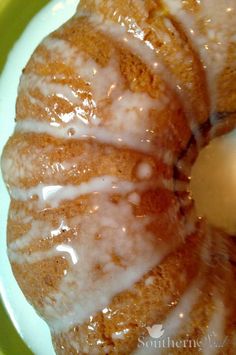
(103, 235)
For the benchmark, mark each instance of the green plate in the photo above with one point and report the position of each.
(14, 16)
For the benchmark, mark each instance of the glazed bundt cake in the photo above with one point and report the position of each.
(103, 234)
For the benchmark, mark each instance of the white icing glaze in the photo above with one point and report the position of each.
(180, 315)
(102, 80)
(144, 171)
(181, 312)
(54, 194)
(127, 111)
(86, 290)
(216, 338)
(133, 38)
(149, 281)
(130, 113)
(134, 198)
(108, 229)
(215, 330)
(12, 166)
(60, 49)
(120, 334)
(23, 161)
(134, 41)
(19, 216)
(20, 258)
(64, 250)
(48, 88)
(82, 131)
(211, 42)
(176, 319)
(39, 229)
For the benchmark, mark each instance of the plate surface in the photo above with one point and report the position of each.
(18, 14)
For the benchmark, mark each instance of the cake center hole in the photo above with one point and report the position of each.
(213, 183)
